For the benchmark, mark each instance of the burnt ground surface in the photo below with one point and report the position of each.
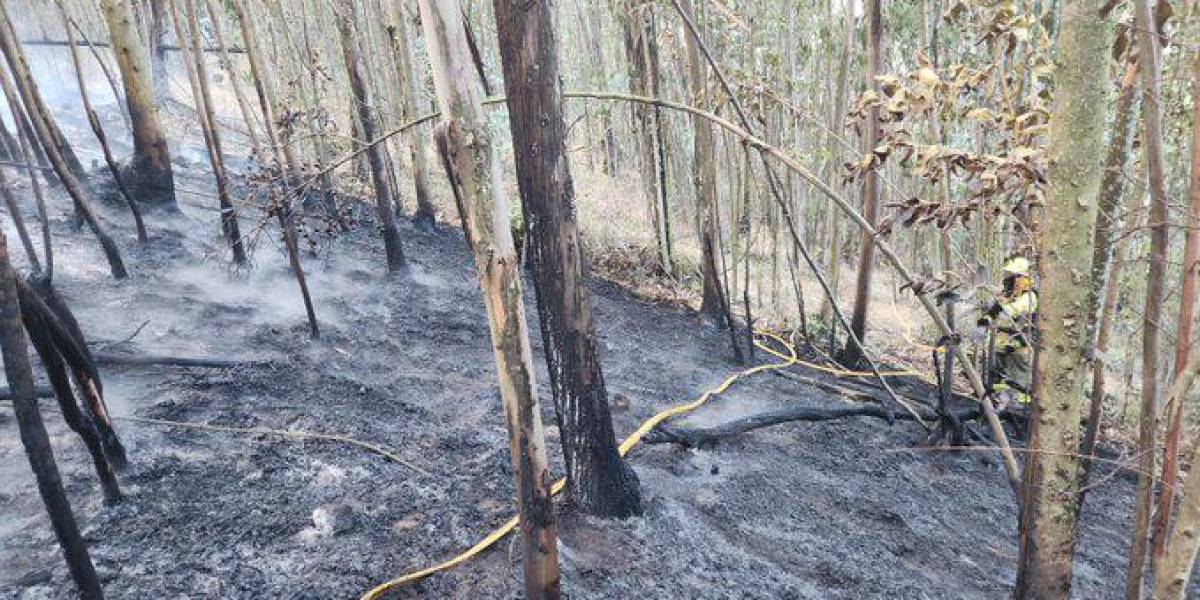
(844, 509)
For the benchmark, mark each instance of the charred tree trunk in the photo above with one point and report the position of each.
(35, 103)
(599, 481)
(34, 437)
(98, 130)
(1049, 510)
(399, 34)
(43, 341)
(476, 165)
(852, 352)
(377, 153)
(150, 172)
(198, 77)
(704, 175)
(42, 126)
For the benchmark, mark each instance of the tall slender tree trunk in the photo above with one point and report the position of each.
(1049, 510)
(852, 353)
(281, 206)
(598, 479)
(150, 172)
(1174, 569)
(590, 26)
(704, 177)
(198, 78)
(25, 144)
(833, 217)
(1183, 338)
(476, 164)
(268, 103)
(98, 129)
(43, 130)
(377, 153)
(1149, 57)
(35, 102)
(158, 51)
(1105, 273)
(641, 47)
(399, 33)
(34, 437)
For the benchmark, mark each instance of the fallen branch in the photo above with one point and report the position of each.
(694, 437)
(41, 391)
(142, 360)
(68, 44)
(845, 392)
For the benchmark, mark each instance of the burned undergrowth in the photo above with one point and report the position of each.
(812, 510)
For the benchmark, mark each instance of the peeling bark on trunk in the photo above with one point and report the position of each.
(1183, 339)
(150, 172)
(1174, 569)
(598, 479)
(377, 153)
(1049, 509)
(476, 164)
(1149, 57)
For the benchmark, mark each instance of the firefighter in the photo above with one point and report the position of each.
(1010, 318)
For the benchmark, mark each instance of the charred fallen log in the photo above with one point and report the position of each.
(694, 437)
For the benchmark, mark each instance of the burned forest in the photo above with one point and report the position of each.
(386, 299)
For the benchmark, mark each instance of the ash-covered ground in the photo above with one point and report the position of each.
(845, 509)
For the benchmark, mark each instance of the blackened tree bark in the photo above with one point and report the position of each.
(33, 433)
(198, 79)
(704, 175)
(151, 175)
(377, 153)
(399, 33)
(43, 129)
(599, 481)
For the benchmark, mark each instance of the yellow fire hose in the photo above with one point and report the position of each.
(499, 533)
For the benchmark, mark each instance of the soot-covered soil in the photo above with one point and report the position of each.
(847, 509)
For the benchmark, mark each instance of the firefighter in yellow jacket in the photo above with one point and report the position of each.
(1012, 314)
